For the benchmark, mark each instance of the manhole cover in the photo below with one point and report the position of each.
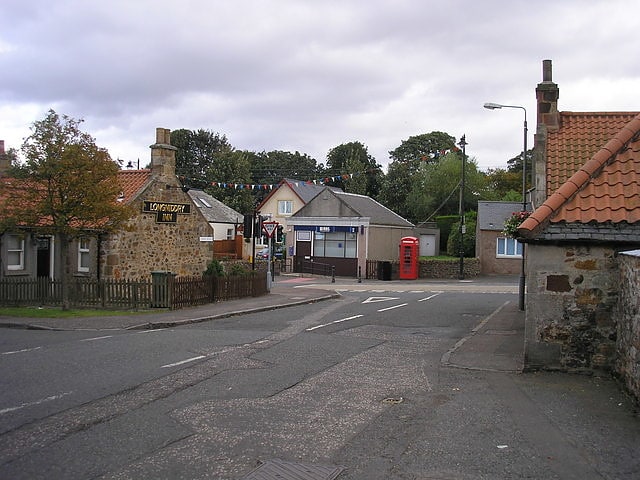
(280, 470)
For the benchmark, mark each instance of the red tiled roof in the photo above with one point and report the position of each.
(580, 136)
(604, 189)
(132, 182)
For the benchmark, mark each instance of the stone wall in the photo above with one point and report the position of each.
(438, 268)
(146, 245)
(628, 323)
(571, 295)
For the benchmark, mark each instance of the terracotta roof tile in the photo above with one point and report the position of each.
(606, 189)
(580, 136)
(132, 182)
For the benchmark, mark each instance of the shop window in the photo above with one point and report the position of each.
(335, 244)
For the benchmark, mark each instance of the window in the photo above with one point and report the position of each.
(508, 248)
(229, 233)
(335, 244)
(15, 252)
(285, 207)
(83, 254)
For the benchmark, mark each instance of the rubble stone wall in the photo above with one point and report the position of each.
(628, 319)
(572, 292)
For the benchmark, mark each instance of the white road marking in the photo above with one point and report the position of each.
(96, 338)
(37, 402)
(395, 306)
(429, 297)
(192, 359)
(379, 299)
(331, 323)
(24, 350)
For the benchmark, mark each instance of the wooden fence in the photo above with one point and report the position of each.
(163, 291)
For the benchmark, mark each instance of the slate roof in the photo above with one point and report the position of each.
(303, 189)
(601, 200)
(213, 209)
(362, 206)
(492, 215)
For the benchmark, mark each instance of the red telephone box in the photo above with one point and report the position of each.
(409, 250)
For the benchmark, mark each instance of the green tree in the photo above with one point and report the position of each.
(469, 237)
(197, 151)
(271, 167)
(352, 160)
(435, 187)
(425, 147)
(68, 186)
(230, 180)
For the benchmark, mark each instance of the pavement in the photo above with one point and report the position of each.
(286, 290)
(486, 420)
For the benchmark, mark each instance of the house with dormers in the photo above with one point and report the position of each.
(588, 214)
(168, 233)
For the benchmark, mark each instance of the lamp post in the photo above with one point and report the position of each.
(497, 106)
(462, 226)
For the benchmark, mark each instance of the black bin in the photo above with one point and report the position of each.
(384, 270)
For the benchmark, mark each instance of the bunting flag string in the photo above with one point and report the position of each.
(297, 183)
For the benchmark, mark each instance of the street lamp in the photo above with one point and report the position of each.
(462, 226)
(497, 106)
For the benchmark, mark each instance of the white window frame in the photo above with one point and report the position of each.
(285, 207)
(19, 251)
(230, 233)
(504, 252)
(84, 252)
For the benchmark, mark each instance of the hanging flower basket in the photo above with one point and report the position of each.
(512, 223)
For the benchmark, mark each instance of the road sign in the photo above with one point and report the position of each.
(269, 228)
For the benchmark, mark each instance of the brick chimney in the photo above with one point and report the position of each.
(163, 156)
(5, 163)
(547, 94)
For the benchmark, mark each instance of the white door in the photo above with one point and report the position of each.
(427, 245)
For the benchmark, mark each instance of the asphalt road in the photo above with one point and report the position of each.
(388, 385)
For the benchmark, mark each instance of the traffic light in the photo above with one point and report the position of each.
(247, 226)
(279, 234)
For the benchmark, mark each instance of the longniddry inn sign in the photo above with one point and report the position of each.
(166, 212)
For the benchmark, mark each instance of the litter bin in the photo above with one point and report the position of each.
(384, 271)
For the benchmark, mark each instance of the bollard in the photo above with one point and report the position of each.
(333, 274)
(359, 274)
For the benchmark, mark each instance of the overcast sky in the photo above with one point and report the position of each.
(302, 75)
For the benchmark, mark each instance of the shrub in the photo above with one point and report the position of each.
(215, 269)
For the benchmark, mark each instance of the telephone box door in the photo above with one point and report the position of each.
(409, 251)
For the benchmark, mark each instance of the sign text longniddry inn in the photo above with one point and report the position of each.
(166, 212)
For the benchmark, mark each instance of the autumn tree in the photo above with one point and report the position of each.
(67, 186)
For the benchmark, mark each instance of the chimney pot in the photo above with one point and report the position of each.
(546, 71)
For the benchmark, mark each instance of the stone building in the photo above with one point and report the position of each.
(588, 197)
(169, 232)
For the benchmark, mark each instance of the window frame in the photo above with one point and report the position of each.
(505, 241)
(84, 252)
(285, 207)
(20, 252)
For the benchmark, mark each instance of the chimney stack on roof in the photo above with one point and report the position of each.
(4, 158)
(163, 156)
(547, 94)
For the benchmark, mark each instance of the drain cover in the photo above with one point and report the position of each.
(280, 470)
